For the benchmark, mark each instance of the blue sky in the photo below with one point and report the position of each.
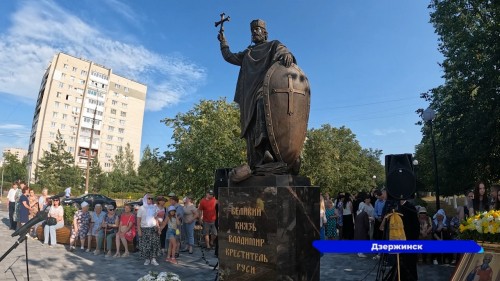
(367, 61)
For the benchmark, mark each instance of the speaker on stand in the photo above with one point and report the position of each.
(400, 185)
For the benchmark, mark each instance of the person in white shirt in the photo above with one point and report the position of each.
(12, 205)
(42, 200)
(67, 192)
(148, 230)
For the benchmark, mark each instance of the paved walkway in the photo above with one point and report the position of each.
(58, 264)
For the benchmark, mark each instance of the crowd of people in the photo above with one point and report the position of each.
(361, 217)
(161, 226)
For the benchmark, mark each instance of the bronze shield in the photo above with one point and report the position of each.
(287, 100)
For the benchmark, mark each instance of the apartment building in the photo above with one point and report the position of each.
(84, 100)
(18, 152)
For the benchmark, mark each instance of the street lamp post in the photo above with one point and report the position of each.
(415, 169)
(428, 116)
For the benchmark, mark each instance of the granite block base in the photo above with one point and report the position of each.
(266, 228)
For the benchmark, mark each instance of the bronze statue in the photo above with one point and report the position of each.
(274, 98)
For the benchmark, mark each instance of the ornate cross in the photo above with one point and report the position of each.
(290, 91)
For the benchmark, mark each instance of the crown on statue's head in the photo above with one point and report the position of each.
(258, 23)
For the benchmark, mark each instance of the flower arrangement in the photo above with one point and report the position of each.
(483, 227)
(162, 276)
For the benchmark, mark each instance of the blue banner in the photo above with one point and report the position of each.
(397, 246)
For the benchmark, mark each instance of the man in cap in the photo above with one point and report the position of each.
(255, 61)
(207, 216)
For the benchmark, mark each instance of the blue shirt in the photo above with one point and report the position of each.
(379, 208)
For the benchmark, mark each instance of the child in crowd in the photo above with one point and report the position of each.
(173, 223)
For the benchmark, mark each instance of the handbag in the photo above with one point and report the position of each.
(51, 221)
(130, 234)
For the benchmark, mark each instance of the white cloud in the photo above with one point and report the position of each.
(11, 126)
(41, 29)
(385, 132)
(13, 135)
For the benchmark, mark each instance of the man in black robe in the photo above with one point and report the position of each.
(254, 61)
(412, 230)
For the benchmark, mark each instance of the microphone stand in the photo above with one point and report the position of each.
(23, 233)
(23, 237)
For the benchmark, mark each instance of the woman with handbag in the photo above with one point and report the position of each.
(126, 231)
(55, 220)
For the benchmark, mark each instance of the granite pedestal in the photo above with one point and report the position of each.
(266, 228)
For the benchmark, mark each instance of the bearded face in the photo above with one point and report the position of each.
(259, 35)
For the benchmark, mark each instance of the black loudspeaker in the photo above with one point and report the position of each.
(221, 179)
(400, 176)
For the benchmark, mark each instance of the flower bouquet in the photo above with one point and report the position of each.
(483, 227)
(162, 276)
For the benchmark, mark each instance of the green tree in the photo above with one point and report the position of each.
(334, 160)
(204, 139)
(13, 169)
(95, 173)
(151, 169)
(467, 126)
(123, 176)
(56, 168)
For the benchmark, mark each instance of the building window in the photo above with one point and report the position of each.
(65, 116)
(83, 73)
(107, 165)
(63, 75)
(72, 78)
(109, 146)
(56, 104)
(117, 86)
(52, 135)
(123, 114)
(52, 124)
(124, 105)
(63, 127)
(113, 102)
(118, 148)
(66, 106)
(58, 95)
(54, 114)
(125, 89)
(79, 100)
(120, 139)
(108, 155)
(115, 94)
(61, 84)
(65, 66)
(121, 130)
(122, 122)
(111, 128)
(74, 69)
(110, 138)
(113, 111)
(71, 149)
